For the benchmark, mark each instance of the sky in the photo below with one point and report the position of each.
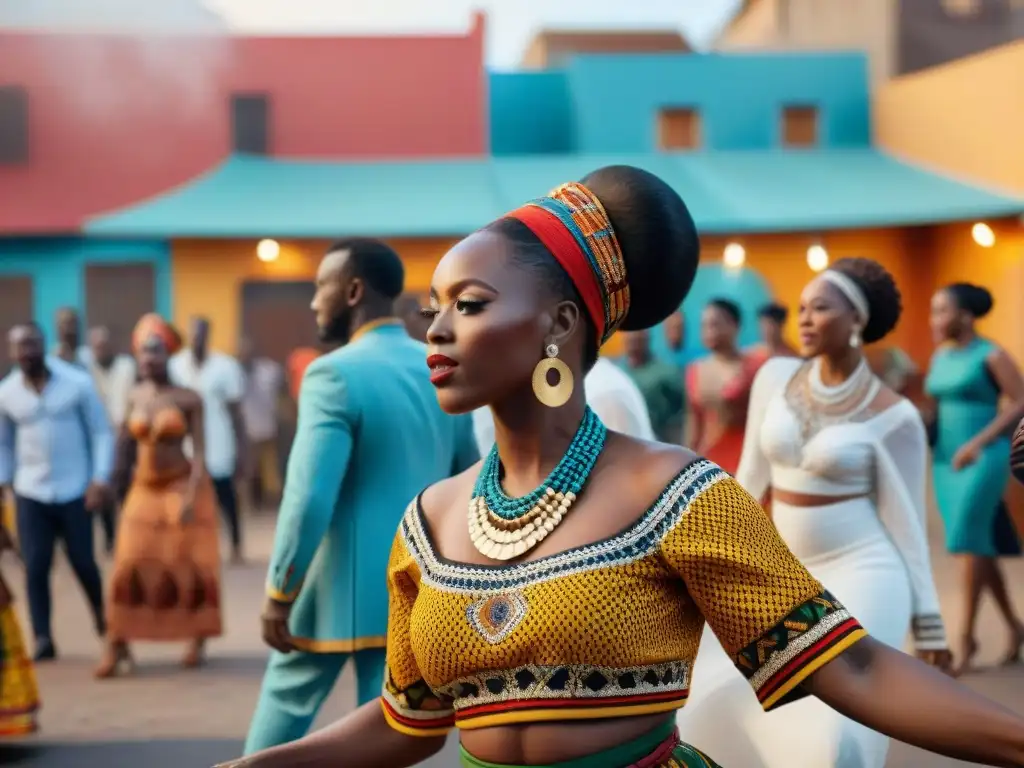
(511, 23)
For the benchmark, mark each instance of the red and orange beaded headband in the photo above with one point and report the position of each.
(574, 226)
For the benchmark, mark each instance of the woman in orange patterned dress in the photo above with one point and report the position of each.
(166, 579)
(19, 693)
(718, 387)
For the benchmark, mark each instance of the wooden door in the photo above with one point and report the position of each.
(276, 317)
(16, 306)
(116, 296)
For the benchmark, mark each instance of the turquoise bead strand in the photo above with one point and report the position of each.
(568, 476)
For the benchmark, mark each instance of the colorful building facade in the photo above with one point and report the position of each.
(91, 123)
(773, 153)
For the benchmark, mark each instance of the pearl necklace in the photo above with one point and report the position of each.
(818, 405)
(502, 527)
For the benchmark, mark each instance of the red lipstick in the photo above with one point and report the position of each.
(441, 369)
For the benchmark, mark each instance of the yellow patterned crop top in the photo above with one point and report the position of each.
(609, 629)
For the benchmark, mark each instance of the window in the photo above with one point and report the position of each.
(250, 114)
(13, 125)
(679, 128)
(799, 126)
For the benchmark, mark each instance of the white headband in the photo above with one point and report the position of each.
(851, 291)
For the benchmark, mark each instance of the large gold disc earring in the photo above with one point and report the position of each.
(552, 395)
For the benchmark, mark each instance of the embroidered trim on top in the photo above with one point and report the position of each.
(808, 632)
(496, 617)
(633, 544)
(583, 682)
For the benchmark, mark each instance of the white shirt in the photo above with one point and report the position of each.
(263, 386)
(54, 442)
(612, 394)
(221, 382)
(114, 385)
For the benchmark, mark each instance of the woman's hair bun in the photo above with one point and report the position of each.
(884, 301)
(659, 240)
(971, 298)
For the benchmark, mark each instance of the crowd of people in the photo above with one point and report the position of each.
(502, 529)
(150, 444)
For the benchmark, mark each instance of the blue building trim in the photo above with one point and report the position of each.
(57, 268)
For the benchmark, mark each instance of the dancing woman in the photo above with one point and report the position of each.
(166, 578)
(549, 601)
(845, 459)
(718, 387)
(967, 378)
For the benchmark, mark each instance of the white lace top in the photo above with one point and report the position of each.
(881, 453)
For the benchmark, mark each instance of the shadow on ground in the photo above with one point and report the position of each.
(151, 754)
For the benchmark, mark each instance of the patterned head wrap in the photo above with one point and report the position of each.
(151, 325)
(573, 225)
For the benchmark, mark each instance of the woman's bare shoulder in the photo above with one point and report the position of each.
(650, 466)
(187, 398)
(438, 500)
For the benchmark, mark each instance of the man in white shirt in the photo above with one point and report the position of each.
(610, 392)
(57, 455)
(113, 376)
(221, 382)
(261, 407)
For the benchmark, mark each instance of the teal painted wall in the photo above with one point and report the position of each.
(531, 113)
(744, 286)
(614, 101)
(57, 268)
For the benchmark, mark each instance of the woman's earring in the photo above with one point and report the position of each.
(855, 337)
(552, 395)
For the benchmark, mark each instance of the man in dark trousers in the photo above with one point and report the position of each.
(57, 453)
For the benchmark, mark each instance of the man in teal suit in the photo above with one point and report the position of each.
(370, 437)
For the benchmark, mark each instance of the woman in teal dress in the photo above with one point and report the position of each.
(971, 454)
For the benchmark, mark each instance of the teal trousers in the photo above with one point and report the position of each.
(297, 684)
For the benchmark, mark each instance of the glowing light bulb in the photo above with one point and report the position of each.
(734, 255)
(268, 250)
(983, 235)
(817, 257)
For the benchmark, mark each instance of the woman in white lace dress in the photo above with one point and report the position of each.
(844, 460)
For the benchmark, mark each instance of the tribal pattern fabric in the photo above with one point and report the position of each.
(609, 629)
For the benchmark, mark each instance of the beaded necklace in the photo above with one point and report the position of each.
(818, 405)
(503, 527)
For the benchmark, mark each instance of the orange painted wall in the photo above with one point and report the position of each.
(964, 118)
(208, 274)
(782, 261)
(999, 268)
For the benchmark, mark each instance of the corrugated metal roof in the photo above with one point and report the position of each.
(728, 192)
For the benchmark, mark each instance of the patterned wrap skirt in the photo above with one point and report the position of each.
(19, 693)
(659, 748)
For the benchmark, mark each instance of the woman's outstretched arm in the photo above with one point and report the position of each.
(897, 695)
(362, 740)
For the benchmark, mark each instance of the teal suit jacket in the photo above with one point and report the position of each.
(370, 437)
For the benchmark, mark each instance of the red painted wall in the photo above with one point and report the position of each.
(116, 119)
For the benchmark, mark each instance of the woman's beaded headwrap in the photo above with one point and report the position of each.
(574, 226)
